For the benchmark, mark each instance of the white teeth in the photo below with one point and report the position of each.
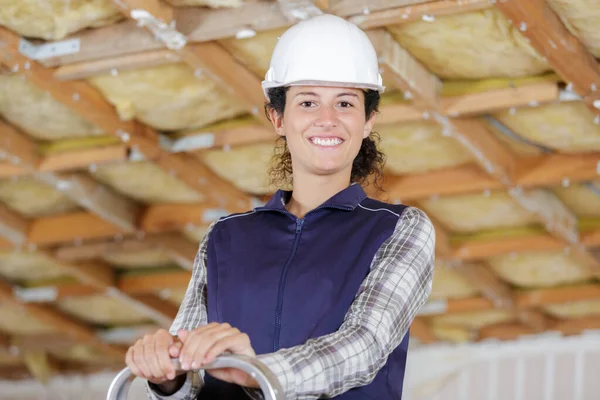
(326, 142)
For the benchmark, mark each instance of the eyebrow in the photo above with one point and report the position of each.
(315, 94)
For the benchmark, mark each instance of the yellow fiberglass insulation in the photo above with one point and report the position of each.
(576, 309)
(581, 199)
(22, 266)
(207, 3)
(15, 320)
(539, 269)
(254, 52)
(475, 45)
(151, 258)
(474, 320)
(33, 199)
(582, 19)
(471, 213)
(565, 126)
(97, 309)
(55, 19)
(132, 178)
(245, 166)
(414, 147)
(449, 284)
(168, 97)
(37, 113)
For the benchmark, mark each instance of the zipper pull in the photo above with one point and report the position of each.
(299, 223)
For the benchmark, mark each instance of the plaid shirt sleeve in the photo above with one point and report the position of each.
(192, 314)
(399, 283)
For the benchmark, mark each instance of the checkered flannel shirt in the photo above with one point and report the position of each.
(399, 283)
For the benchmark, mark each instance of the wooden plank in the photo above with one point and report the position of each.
(21, 150)
(89, 103)
(95, 197)
(180, 250)
(8, 170)
(552, 40)
(135, 285)
(422, 331)
(156, 9)
(488, 283)
(407, 14)
(482, 249)
(73, 329)
(575, 326)
(504, 331)
(96, 249)
(128, 62)
(535, 319)
(557, 295)
(13, 227)
(499, 99)
(170, 217)
(443, 182)
(72, 227)
(554, 169)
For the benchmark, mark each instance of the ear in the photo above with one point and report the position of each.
(369, 125)
(277, 121)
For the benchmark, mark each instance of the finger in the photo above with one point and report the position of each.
(131, 364)
(162, 357)
(238, 344)
(194, 349)
(150, 351)
(140, 361)
(190, 342)
(175, 349)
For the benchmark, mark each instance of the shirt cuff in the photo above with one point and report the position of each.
(282, 370)
(189, 390)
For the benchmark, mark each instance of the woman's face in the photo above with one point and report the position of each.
(324, 128)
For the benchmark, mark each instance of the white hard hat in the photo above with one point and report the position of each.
(326, 51)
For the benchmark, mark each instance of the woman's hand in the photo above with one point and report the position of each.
(150, 357)
(202, 345)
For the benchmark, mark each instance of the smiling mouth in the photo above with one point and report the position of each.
(326, 142)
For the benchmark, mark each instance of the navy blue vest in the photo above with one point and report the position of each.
(283, 280)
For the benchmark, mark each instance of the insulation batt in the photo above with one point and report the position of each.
(55, 19)
(415, 147)
(14, 320)
(539, 269)
(254, 52)
(582, 19)
(475, 45)
(168, 97)
(449, 284)
(567, 127)
(37, 113)
(28, 266)
(31, 198)
(582, 200)
(473, 213)
(103, 310)
(152, 258)
(131, 179)
(245, 166)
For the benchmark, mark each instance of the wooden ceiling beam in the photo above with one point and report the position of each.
(407, 74)
(549, 36)
(88, 102)
(71, 328)
(14, 229)
(210, 58)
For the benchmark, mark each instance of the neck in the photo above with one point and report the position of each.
(311, 191)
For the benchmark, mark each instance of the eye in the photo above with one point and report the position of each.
(346, 104)
(307, 103)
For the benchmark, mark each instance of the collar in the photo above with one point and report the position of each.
(347, 199)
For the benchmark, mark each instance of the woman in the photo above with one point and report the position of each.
(321, 284)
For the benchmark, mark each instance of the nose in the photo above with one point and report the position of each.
(326, 118)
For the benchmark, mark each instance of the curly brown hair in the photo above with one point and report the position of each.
(368, 165)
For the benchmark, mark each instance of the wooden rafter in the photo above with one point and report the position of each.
(89, 103)
(78, 187)
(14, 229)
(408, 75)
(552, 40)
(208, 57)
(60, 322)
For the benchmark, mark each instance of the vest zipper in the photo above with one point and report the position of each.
(279, 310)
